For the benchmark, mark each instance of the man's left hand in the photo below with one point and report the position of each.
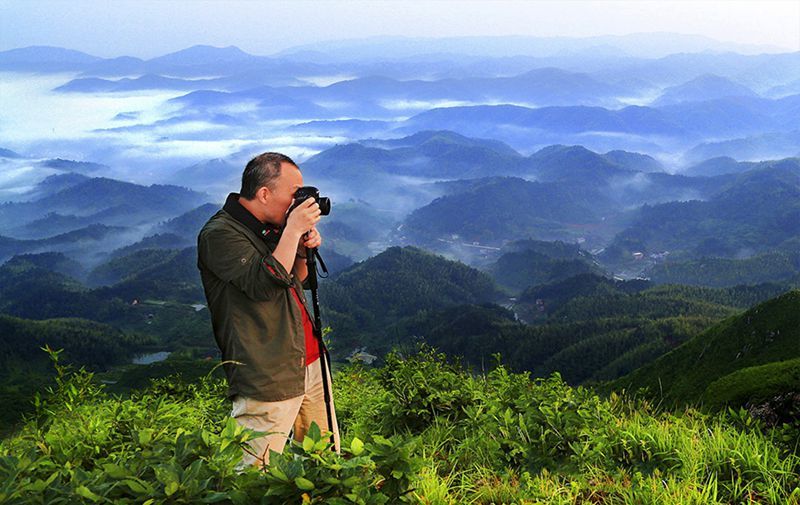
(312, 239)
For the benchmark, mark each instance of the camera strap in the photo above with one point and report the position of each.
(321, 263)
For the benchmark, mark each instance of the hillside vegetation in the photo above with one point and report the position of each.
(418, 430)
(767, 334)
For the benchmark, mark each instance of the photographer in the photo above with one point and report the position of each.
(252, 261)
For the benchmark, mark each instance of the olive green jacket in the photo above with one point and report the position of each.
(257, 323)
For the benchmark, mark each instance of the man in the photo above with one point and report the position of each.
(251, 257)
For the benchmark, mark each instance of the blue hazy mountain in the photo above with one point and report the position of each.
(717, 166)
(443, 137)
(76, 242)
(147, 81)
(72, 203)
(705, 87)
(684, 121)
(269, 102)
(574, 164)
(727, 165)
(8, 153)
(81, 167)
(757, 72)
(216, 177)
(754, 147)
(476, 120)
(44, 58)
(791, 88)
(354, 128)
(572, 97)
(497, 209)
(55, 183)
(634, 161)
(382, 97)
(540, 86)
(642, 45)
(433, 154)
(120, 66)
(204, 55)
(625, 177)
(188, 225)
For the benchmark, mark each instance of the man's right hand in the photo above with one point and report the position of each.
(304, 217)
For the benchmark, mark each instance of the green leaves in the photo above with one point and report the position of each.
(304, 484)
(356, 447)
(426, 429)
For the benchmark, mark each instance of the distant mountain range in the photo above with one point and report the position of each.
(705, 87)
(702, 102)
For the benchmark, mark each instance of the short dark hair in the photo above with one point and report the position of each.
(262, 171)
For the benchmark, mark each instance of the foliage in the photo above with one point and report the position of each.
(87, 342)
(175, 445)
(420, 429)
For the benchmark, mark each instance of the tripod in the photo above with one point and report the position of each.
(313, 283)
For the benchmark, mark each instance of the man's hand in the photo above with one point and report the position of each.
(303, 218)
(312, 240)
(300, 220)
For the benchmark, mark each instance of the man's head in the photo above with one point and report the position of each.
(268, 184)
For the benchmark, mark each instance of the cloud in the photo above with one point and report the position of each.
(327, 80)
(31, 111)
(397, 104)
(20, 176)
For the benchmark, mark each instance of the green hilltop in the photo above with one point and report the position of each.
(749, 345)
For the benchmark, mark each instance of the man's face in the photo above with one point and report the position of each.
(282, 193)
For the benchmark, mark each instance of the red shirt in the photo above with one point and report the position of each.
(312, 344)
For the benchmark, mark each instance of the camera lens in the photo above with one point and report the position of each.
(324, 205)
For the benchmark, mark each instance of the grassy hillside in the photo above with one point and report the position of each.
(767, 333)
(418, 430)
(755, 384)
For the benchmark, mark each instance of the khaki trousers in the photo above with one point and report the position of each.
(277, 418)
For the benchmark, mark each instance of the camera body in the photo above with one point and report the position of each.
(304, 193)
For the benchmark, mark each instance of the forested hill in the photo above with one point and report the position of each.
(587, 328)
(369, 296)
(767, 334)
(533, 262)
(495, 209)
(758, 211)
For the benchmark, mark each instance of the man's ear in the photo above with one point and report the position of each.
(263, 194)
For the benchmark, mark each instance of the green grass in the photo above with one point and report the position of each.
(432, 433)
(754, 384)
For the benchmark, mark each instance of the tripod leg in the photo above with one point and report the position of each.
(324, 357)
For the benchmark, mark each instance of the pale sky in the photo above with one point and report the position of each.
(147, 28)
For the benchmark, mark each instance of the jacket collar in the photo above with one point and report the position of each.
(266, 231)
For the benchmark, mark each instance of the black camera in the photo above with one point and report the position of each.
(306, 192)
